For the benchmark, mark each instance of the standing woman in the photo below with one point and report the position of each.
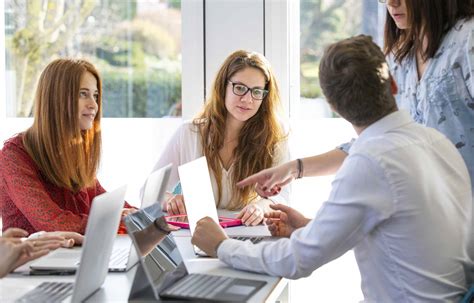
(48, 173)
(430, 50)
(238, 132)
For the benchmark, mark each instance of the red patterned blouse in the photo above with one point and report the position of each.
(30, 202)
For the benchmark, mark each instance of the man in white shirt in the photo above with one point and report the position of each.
(401, 199)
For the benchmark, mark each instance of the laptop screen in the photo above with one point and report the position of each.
(197, 191)
(159, 254)
(162, 266)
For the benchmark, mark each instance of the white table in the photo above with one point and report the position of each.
(116, 287)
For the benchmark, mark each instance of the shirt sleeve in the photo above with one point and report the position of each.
(25, 188)
(345, 147)
(359, 201)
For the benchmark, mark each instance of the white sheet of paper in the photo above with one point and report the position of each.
(197, 191)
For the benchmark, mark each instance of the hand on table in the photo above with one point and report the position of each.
(284, 220)
(251, 215)
(208, 235)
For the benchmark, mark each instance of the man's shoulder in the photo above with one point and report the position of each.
(405, 137)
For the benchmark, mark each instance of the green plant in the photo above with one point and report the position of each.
(147, 94)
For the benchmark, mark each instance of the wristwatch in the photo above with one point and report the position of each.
(161, 224)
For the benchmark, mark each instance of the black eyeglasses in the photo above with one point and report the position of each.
(241, 90)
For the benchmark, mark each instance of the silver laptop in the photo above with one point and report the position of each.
(155, 186)
(162, 274)
(104, 220)
(123, 256)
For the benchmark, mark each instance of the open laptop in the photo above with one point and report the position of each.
(199, 197)
(104, 220)
(166, 277)
(155, 186)
(123, 256)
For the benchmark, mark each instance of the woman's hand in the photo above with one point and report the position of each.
(13, 232)
(251, 215)
(16, 252)
(69, 238)
(175, 205)
(269, 182)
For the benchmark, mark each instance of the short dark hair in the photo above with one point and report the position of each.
(355, 79)
(428, 19)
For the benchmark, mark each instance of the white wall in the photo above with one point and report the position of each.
(130, 149)
(231, 25)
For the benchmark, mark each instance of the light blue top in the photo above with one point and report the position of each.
(443, 98)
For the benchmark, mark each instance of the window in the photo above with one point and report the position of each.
(323, 22)
(136, 45)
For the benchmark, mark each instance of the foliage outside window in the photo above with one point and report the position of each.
(323, 22)
(136, 45)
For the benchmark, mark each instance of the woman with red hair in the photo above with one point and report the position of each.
(48, 173)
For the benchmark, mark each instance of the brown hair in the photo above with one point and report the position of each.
(66, 155)
(427, 19)
(355, 79)
(258, 137)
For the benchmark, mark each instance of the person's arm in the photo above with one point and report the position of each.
(323, 164)
(270, 181)
(11, 252)
(17, 250)
(359, 200)
(24, 187)
(282, 155)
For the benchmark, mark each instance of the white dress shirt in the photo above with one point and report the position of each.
(185, 146)
(402, 201)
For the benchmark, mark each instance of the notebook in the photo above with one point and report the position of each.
(104, 220)
(166, 277)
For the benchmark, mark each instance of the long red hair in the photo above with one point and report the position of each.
(66, 155)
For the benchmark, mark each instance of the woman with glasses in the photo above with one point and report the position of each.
(48, 172)
(430, 49)
(238, 132)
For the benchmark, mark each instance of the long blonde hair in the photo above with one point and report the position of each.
(66, 155)
(258, 138)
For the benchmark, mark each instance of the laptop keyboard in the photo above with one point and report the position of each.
(198, 286)
(254, 240)
(119, 257)
(48, 292)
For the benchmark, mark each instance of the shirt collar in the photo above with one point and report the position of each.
(387, 123)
